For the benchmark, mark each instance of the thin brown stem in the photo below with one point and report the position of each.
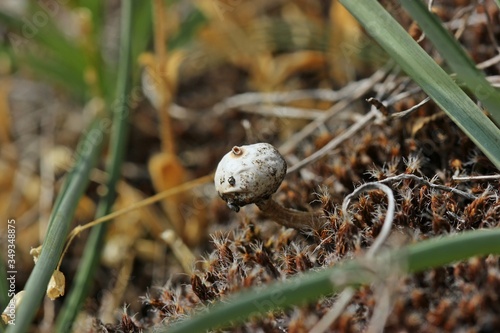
(289, 218)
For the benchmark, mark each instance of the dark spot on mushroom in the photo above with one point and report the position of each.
(233, 207)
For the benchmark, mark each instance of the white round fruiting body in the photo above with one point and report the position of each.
(249, 174)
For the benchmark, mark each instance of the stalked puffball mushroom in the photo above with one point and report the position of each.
(252, 174)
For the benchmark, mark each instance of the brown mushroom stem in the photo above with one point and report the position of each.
(287, 217)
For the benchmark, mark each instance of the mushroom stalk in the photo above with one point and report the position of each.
(287, 217)
(251, 174)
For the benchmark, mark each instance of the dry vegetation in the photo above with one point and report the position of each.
(304, 62)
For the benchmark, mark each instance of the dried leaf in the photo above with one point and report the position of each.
(167, 172)
(9, 313)
(56, 285)
(35, 253)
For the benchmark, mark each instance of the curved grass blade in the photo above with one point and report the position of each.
(428, 75)
(312, 285)
(4, 287)
(87, 154)
(47, 36)
(93, 248)
(65, 61)
(455, 56)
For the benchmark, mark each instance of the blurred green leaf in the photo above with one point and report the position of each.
(4, 285)
(41, 45)
(188, 29)
(141, 29)
(52, 71)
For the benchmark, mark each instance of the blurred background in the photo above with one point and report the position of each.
(206, 75)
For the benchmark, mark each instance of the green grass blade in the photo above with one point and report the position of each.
(188, 29)
(4, 285)
(4, 291)
(55, 72)
(47, 36)
(52, 37)
(64, 61)
(60, 220)
(142, 28)
(428, 75)
(312, 285)
(93, 248)
(46, 49)
(455, 56)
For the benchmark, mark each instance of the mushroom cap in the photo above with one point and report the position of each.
(249, 174)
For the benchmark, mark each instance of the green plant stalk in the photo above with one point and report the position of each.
(92, 253)
(75, 184)
(313, 285)
(428, 75)
(4, 295)
(455, 56)
(142, 30)
(4, 286)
